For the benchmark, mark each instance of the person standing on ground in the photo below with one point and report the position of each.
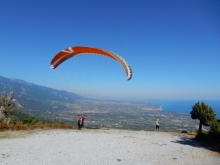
(157, 124)
(83, 118)
(79, 118)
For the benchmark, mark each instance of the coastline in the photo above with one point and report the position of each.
(184, 106)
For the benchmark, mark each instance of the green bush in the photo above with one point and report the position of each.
(215, 127)
(31, 120)
(208, 136)
(203, 136)
(1, 121)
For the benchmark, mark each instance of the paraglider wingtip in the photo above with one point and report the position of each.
(51, 66)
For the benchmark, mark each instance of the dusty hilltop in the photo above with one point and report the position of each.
(98, 146)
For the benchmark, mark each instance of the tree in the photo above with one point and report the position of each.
(7, 105)
(204, 113)
(215, 127)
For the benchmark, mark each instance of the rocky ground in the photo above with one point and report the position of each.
(97, 146)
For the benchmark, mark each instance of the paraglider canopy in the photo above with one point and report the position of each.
(79, 50)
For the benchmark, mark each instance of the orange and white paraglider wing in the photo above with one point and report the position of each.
(79, 50)
(125, 65)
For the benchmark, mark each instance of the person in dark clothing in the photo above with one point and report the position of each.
(157, 124)
(79, 122)
(81, 118)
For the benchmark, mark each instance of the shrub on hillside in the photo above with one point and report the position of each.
(31, 120)
(210, 137)
(215, 127)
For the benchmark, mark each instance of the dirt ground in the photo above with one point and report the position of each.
(15, 134)
(190, 135)
(20, 134)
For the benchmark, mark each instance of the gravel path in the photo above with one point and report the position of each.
(102, 147)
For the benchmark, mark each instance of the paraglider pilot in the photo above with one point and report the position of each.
(80, 121)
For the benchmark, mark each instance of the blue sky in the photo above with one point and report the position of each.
(173, 47)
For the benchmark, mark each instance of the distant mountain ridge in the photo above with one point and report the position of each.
(61, 105)
(36, 97)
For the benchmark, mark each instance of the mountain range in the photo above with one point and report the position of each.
(34, 97)
(47, 102)
(63, 106)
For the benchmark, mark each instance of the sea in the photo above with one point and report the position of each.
(185, 106)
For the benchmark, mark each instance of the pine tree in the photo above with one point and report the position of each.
(204, 113)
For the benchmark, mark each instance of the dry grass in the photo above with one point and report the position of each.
(189, 135)
(20, 126)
